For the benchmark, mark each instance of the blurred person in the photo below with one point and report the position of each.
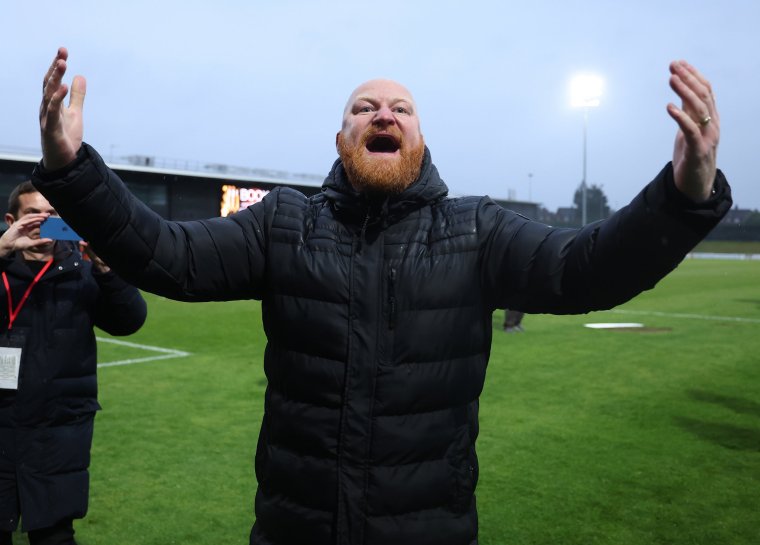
(513, 321)
(377, 300)
(48, 396)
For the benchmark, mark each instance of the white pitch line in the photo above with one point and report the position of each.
(167, 353)
(688, 316)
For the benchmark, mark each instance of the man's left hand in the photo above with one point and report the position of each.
(97, 263)
(696, 148)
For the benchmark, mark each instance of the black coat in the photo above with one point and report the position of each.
(46, 425)
(377, 312)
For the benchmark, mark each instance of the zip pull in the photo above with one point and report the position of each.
(363, 232)
(392, 298)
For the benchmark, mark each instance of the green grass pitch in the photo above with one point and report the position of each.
(646, 436)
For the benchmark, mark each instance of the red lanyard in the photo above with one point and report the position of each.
(11, 313)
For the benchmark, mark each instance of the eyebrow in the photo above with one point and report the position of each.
(393, 101)
(33, 210)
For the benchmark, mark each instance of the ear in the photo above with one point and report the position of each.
(337, 140)
(9, 219)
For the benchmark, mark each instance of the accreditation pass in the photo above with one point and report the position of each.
(10, 360)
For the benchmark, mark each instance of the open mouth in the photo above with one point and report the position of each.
(383, 143)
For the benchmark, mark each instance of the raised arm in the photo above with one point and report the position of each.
(220, 258)
(119, 308)
(532, 267)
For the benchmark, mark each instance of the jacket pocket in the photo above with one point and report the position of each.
(464, 463)
(466, 479)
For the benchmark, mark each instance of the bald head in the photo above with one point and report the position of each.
(380, 141)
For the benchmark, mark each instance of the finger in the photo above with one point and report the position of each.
(62, 54)
(694, 81)
(78, 90)
(54, 77)
(710, 99)
(53, 84)
(685, 122)
(699, 77)
(692, 103)
(31, 219)
(39, 242)
(52, 110)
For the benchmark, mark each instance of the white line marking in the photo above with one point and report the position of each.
(713, 255)
(688, 316)
(167, 353)
(613, 325)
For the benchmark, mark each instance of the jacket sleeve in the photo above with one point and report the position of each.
(205, 260)
(119, 309)
(536, 268)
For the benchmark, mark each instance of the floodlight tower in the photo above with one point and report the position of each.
(585, 92)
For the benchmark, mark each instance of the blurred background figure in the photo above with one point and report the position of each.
(513, 321)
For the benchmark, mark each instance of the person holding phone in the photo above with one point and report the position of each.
(50, 298)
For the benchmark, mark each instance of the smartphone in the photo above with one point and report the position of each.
(57, 229)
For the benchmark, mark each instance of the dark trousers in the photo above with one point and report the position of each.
(513, 318)
(60, 534)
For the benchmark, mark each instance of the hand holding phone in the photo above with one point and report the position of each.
(57, 229)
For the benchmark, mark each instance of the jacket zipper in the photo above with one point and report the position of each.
(392, 298)
(363, 232)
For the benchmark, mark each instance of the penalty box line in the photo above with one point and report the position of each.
(164, 353)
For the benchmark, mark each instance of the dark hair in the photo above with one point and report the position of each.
(13, 200)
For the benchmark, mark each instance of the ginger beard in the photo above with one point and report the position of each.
(389, 172)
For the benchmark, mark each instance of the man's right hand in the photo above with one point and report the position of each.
(60, 126)
(23, 234)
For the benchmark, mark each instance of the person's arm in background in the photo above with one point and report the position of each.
(120, 308)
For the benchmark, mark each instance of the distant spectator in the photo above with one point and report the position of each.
(513, 321)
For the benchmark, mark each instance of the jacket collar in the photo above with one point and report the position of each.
(386, 207)
(66, 257)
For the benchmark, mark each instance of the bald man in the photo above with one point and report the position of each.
(377, 296)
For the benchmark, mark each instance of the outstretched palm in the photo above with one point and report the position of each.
(696, 147)
(60, 126)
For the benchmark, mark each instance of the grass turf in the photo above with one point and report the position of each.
(587, 436)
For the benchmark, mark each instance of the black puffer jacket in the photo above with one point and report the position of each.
(378, 318)
(46, 425)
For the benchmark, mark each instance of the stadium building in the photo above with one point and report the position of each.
(176, 193)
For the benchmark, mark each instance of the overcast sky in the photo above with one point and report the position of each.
(263, 83)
